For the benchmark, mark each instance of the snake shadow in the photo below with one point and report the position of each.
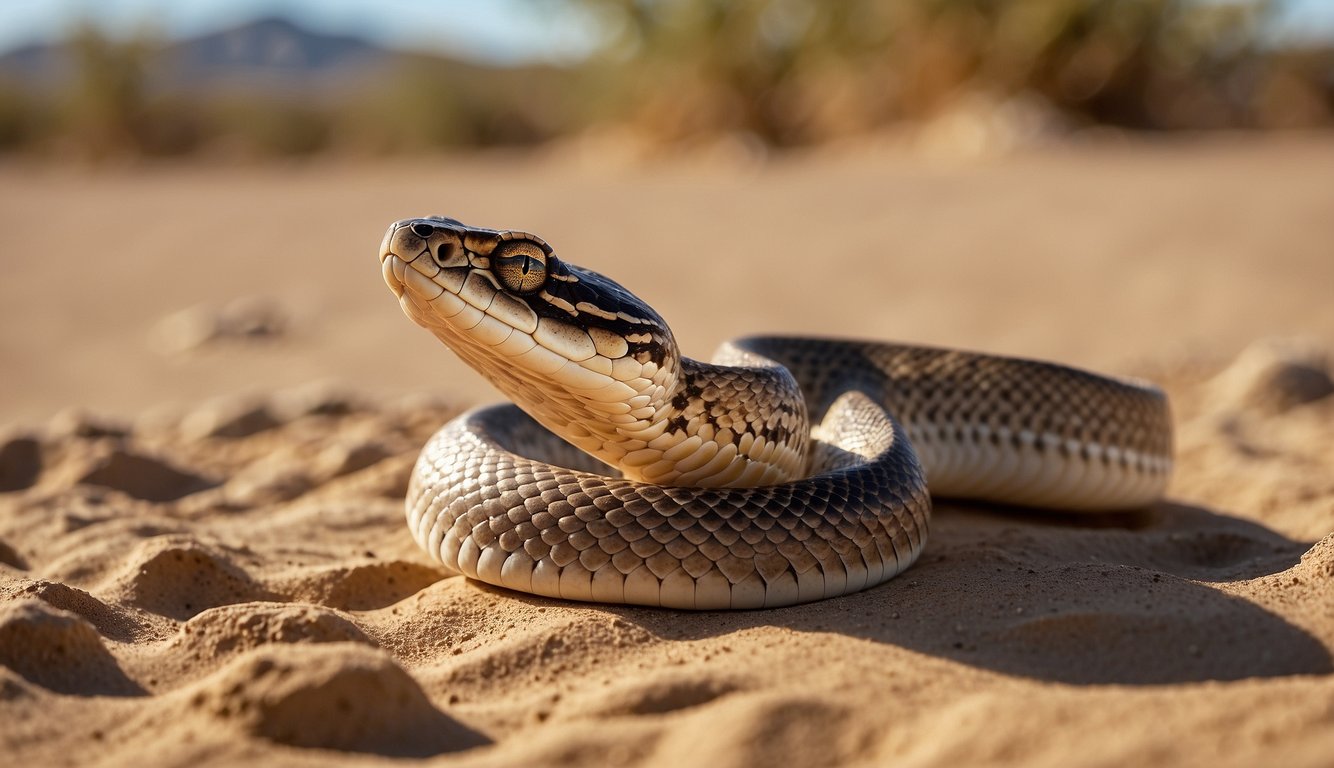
(1133, 599)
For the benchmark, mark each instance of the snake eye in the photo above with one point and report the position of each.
(520, 265)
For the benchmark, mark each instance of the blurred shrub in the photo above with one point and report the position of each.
(104, 110)
(21, 117)
(111, 106)
(430, 102)
(788, 72)
(796, 71)
(269, 125)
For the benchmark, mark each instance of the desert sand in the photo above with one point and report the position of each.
(212, 404)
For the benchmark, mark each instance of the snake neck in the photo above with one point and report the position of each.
(726, 426)
(684, 423)
(698, 424)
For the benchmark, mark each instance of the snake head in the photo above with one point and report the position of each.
(427, 245)
(568, 345)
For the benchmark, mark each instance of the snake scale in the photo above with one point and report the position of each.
(786, 470)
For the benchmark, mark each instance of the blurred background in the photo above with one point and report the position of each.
(270, 78)
(192, 191)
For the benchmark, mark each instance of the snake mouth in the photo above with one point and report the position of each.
(410, 269)
(394, 262)
(445, 281)
(395, 268)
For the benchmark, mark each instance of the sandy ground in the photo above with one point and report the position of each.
(203, 559)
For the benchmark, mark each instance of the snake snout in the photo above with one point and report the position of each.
(404, 242)
(422, 257)
(405, 239)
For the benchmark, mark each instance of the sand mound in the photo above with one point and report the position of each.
(343, 697)
(141, 476)
(228, 418)
(674, 692)
(1275, 376)
(361, 587)
(20, 462)
(58, 650)
(788, 730)
(110, 622)
(11, 558)
(244, 319)
(1318, 564)
(178, 576)
(231, 629)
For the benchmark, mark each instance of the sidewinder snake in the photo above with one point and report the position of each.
(784, 471)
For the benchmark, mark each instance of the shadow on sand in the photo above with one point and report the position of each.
(1133, 599)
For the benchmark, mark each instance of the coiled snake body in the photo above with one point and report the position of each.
(787, 470)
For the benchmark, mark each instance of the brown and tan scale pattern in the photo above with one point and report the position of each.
(491, 514)
(989, 427)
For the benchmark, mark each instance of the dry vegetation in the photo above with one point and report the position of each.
(787, 72)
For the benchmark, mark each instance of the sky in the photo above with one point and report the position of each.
(495, 31)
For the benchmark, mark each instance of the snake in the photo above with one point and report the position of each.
(787, 469)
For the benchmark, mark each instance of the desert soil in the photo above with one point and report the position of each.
(213, 403)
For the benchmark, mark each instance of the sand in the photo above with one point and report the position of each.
(213, 404)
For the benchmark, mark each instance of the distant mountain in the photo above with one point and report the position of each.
(268, 46)
(265, 53)
(37, 65)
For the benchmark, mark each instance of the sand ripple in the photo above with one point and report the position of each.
(238, 586)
